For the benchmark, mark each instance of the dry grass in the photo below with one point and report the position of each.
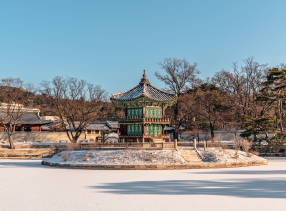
(236, 156)
(254, 152)
(85, 158)
(65, 157)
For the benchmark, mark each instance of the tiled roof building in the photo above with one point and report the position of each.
(145, 118)
(29, 120)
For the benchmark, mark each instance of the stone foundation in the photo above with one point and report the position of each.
(157, 167)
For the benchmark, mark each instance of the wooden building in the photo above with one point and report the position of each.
(29, 120)
(144, 119)
(97, 131)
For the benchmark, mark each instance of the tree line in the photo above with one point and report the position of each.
(250, 96)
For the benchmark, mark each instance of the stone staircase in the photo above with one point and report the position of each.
(191, 155)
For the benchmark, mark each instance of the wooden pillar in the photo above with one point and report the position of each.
(204, 145)
(137, 140)
(144, 111)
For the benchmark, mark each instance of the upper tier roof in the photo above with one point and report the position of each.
(144, 89)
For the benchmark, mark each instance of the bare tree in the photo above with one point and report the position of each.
(76, 103)
(11, 108)
(180, 76)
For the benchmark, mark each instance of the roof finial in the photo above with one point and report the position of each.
(144, 80)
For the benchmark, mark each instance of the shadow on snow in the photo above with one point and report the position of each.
(22, 163)
(246, 188)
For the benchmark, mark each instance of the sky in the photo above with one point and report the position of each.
(110, 43)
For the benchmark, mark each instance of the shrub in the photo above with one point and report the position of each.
(224, 146)
(85, 158)
(236, 156)
(72, 146)
(236, 144)
(246, 145)
(254, 152)
(65, 157)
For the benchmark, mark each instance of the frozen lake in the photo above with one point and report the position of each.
(27, 185)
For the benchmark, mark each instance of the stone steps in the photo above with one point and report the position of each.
(191, 156)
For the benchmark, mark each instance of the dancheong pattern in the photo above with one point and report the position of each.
(135, 113)
(134, 129)
(153, 129)
(151, 112)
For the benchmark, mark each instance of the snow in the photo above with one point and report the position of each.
(28, 185)
(147, 157)
(227, 156)
(119, 157)
(111, 138)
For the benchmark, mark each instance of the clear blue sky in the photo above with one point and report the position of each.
(111, 42)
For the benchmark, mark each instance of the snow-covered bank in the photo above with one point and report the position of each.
(147, 157)
(118, 157)
(228, 156)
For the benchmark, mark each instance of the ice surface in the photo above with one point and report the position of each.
(27, 185)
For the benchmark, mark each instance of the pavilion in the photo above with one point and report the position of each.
(144, 119)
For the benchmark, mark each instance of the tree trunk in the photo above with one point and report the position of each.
(212, 130)
(280, 119)
(11, 141)
(176, 133)
(176, 118)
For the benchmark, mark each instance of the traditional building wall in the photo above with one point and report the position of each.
(38, 136)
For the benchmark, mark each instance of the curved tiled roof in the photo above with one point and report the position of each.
(144, 89)
(25, 118)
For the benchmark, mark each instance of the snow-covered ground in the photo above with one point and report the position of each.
(118, 157)
(228, 156)
(28, 185)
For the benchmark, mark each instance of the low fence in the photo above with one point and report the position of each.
(200, 144)
(128, 145)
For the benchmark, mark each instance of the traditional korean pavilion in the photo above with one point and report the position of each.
(145, 118)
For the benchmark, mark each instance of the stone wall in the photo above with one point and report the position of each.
(157, 167)
(42, 136)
